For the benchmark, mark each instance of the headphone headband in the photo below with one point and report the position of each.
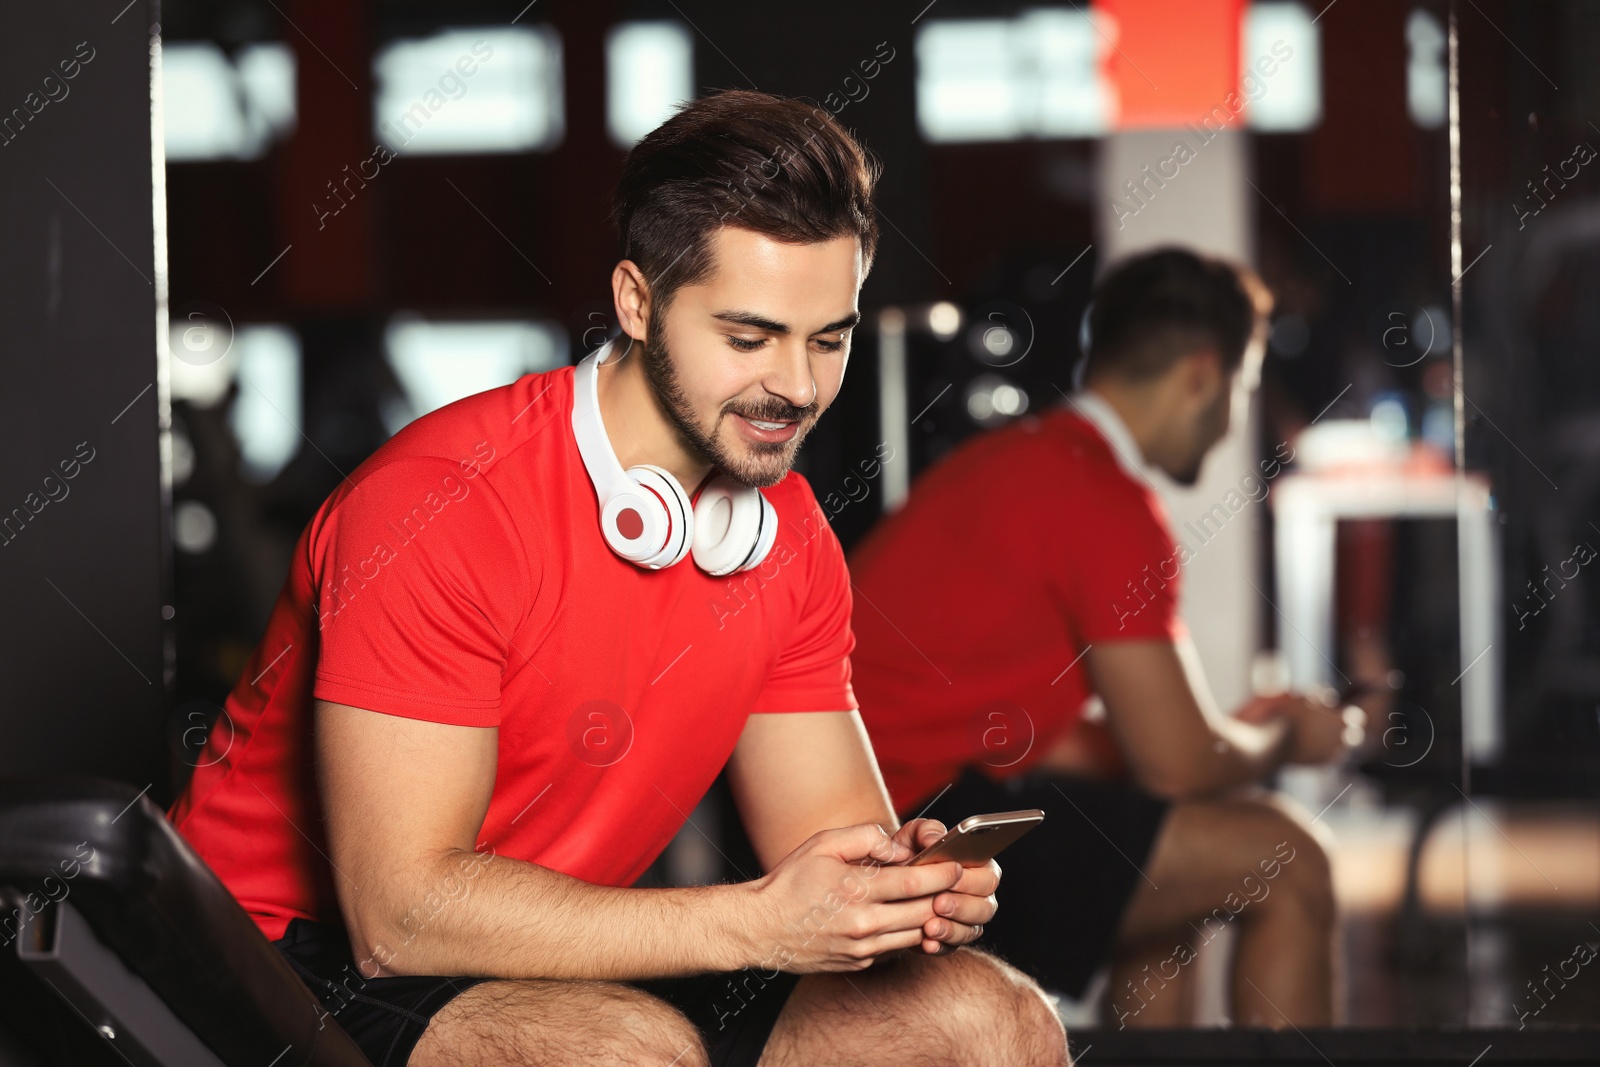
(588, 429)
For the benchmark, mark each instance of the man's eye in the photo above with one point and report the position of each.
(831, 346)
(744, 345)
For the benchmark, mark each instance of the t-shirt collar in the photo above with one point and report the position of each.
(1104, 418)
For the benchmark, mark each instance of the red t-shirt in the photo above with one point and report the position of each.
(459, 576)
(976, 600)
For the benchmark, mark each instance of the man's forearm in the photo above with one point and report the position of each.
(471, 914)
(1240, 753)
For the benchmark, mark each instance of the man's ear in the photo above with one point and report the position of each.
(630, 294)
(1202, 374)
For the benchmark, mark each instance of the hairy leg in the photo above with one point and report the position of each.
(536, 1023)
(1255, 856)
(1149, 986)
(966, 1008)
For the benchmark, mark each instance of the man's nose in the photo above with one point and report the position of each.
(791, 377)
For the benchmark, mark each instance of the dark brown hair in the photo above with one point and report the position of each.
(1152, 308)
(772, 164)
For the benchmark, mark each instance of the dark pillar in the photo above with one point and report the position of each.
(84, 492)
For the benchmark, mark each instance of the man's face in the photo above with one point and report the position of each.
(747, 360)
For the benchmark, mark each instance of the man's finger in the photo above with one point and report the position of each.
(918, 834)
(979, 881)
(905, 882)
(867, 842)
(960, 908)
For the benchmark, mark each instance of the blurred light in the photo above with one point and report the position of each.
(441, 362)
(1037, 75)
(1389, 420)
(1065, 96)
(1426, 81)
(477, 90)
(216, 108)
(266, 410)
(1331, 443)
(1000, 333)
(1431, 329)
(194, 527)
(203, 361)
(997, 341)
(649, 70)
(1289, 335)
(1439, 426)
(266, 73)
(1040, 74)
(1290, 98)
(944, 319)
(1009, 400)
(991, 400)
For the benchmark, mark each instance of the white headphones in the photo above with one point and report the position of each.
(646, 516)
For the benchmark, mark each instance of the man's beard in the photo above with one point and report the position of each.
(1209, 433)
(1190, 475)
(759, 463)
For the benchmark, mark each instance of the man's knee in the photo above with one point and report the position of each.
(543, 1022)
(986, 1011)
(643, 1029)
(1295, 866)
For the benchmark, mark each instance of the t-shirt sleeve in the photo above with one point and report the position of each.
(1122, 583)
(812, 672)
(420, 578)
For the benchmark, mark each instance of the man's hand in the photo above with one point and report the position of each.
(1321, 730)
(844, 897)
(961, 911)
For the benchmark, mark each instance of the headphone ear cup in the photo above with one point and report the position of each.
(734, 527)
(676, 514)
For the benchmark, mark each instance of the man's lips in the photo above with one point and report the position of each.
(765, 430)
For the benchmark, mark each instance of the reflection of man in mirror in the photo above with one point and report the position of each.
(1033, 574)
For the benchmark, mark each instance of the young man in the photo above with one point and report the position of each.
(1034, 568)
(495, 683)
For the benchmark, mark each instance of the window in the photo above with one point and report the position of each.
(1426, 80)
(1005, 79)
(1041, 74)
(266, 412)
(649, 69)
(214, 106)
(441, 362)
(471, 90)
(1288, 99)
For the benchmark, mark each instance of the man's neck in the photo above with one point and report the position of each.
(1135, 413)
(638, 426)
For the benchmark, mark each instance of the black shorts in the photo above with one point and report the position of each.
(1067, 882)
(735, 1013)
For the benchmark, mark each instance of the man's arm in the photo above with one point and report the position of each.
(797, 772)
(403, 800)
(1173, 738)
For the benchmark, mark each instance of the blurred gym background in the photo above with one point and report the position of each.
(363, 211)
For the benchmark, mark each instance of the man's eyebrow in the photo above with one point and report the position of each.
(761, 322)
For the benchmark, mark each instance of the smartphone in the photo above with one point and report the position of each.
(977, 839)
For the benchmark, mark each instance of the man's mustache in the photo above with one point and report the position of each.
(787, 414)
